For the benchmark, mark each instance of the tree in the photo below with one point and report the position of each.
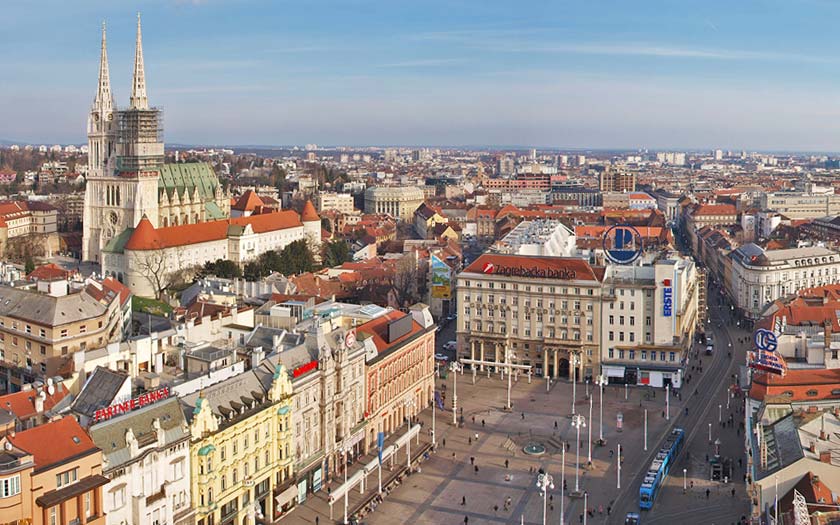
(336, 253)
(405, 284)
(29, 265)
(225, 269)
(296, 258)
(160, 269)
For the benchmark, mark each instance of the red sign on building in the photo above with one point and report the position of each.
(132, 404)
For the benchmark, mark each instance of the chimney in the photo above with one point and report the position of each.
(39, 402)
(825, 456)
(813, 448)
(827, 332)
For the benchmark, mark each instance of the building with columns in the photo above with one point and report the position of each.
(127, 178)
(545, 309)
(399, 202)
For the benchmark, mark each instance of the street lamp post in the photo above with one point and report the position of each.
(343, 452)
(710, 432)
(434, 402)
(685, 487)
(578, 421)
(618, 458)
(574, 362)
(454, 366)
(601, 380)
(720, 413)
(409, 404)
(563, 484)
(589, 455)
(545, 482)
(645, 430)
(668, 403)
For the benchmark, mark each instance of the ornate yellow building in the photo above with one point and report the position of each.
(241, 448)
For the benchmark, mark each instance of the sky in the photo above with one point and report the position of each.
(756, 75)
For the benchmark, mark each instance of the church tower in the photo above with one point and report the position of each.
(101, 137)
(124, 160)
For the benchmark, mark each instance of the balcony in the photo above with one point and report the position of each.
(157, 496)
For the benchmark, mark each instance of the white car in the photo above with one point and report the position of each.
(441, 357)
(450, 345)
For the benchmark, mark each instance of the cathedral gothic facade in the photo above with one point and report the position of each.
(127, 178)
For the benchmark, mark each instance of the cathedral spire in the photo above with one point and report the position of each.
(139, 100)
(104, 101)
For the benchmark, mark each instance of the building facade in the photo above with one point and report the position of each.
(399, 371)
(340, 202)
(399, 202)
(52, 474)
(760, 276)
(127, 179)
(146, 457)
(240, 447)
(544, 309)
(648, 320)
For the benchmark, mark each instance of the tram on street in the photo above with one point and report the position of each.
(659, 468)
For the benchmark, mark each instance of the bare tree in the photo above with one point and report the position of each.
(405, 283)
(161, 269)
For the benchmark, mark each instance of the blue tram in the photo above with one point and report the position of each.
(659, 468)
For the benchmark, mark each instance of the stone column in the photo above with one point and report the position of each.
(545, 362)
(481, 348)
(472, 352)
(556, 362)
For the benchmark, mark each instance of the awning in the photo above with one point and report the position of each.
(286, 496)
(613, 371)
(54, 497)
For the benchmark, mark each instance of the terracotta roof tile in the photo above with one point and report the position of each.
(22, 404)
(248, 201)
(54, 442)
(309, 213)
(490, 263)
(378, 329)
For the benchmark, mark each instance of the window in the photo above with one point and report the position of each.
(10, 486)
(621, 354)
(632, 354)
(87, 504)
(672, 357)
(611, 352)
(653, 356)
(632, 336)
(66, 478)
(118, 498)
(811, 393)
(63, 332)
(632, 320)
(612, 336)
(644, 355)
(621, 320)
(53, 520)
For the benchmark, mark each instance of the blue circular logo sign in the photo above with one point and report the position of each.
(765, 340)
(622, 244)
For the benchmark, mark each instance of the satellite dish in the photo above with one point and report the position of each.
(7, 446)
(50, 389)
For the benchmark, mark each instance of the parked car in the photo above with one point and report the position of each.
(441, 357)
(450, 345)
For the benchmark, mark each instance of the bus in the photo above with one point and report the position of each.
(659, 468)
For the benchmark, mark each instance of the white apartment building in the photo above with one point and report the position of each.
(545, 309)
(648, 319)
(146, 455)
(546, 237)
(760, 276)
(340, 202)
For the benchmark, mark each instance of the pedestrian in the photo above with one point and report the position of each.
(453, 456)
(463, 500)
(495, 509)
(317, 520)
(609, 510)
(444, 442)
(600, 509)
(555, 424)
(733, 492)
(472, 460)
(551, 498)
(707, 493)
(565, 486)
(611, 453)
(523, 415)
(568, 446)
(482, 423)
(581, 517)
(692, 484)
(740, 462)
(473, 420)
(476, 470)
(469, 439)
(507, 463)
(466, 520)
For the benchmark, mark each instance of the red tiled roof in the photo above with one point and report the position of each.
(54, 442)
(798, 382)
(117, 287)
(146, 237)
(48, 272)
(309, 213)
(715, 209)
(22, 404)
(248, 201)
(378, 329)
(489, 263)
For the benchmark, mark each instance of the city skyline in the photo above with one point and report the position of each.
(575, 77)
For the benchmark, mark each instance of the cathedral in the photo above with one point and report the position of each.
(146, 221)
(127, 178)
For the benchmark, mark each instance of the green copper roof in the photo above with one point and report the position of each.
(206, 449)
(188, 176)
(116, 244)
(213, 211)
(283, 410)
